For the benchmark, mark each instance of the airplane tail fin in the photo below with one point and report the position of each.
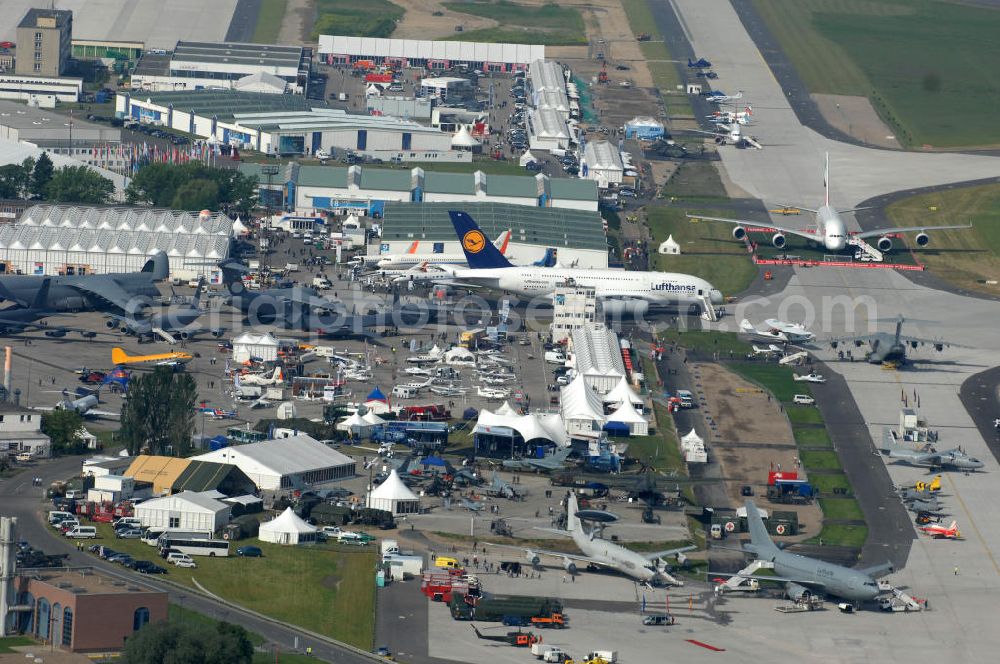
(119, 356)
(549, 259)
(479, 251)
(953, 526)
(747, 326)
(503, 241)
(42, 296)
(158, 266)
(826, 181)
(413, 247)
(572, 522)
(198, 293)
(761, 541)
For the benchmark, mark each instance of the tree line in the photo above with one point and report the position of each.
(39, 179)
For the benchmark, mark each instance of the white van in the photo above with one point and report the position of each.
(405, 392)
(322, 283)
(127, 521)
(55, 516)
(180, 559)
(554, 357)
(82, 532)
(803, 399)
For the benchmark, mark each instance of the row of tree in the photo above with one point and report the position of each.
(40, 179)
(192, 186)
(158, 414)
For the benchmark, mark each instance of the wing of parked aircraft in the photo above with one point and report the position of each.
(808, 234)
(107, 290)
(878, 232)
(553, 554)
(667, 553)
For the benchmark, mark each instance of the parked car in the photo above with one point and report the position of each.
(803, 399)
(658, 619)
(147, 567)
(250, 552)
(128, 533)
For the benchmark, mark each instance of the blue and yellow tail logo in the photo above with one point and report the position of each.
(474, 241)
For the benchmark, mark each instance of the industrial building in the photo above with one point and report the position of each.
(311, 190)
(21, 431)
(597, 356)
(83, 610)
(44, 42)
(547, 125)
(54, 131)
(40, 91)
(602, 163)
(577, 235)
(547, 130)
(437, 55)
(286, 125)
(222, 66)
(286, 463)
(55, 239)
(169, 475)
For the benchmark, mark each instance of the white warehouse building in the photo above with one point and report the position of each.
(548, 130)
(602, 163)
(286, 125)
(54, 239)
(402, 53)
(188, 511)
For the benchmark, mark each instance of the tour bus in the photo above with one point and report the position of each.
(194, 546)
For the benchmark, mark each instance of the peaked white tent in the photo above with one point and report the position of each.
(372, 419)
(527, 158)
(582, 409)
(288, 528)
(239, 228)
(355, 425)
(627, 414)
(459, 355)
(506, 410)
(463, 140)
(393, 496)
(531, 427)
(623, 392)
(670, 247)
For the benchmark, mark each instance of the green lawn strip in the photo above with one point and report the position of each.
(841, 509)
(269, 20)
(515, 35)
(802, 414)
(773, 377)
(838, 534)
(335, 586)
(819, 460)
(549, 16)
(811, 437)
(356, 18)
(8, 644)
(707, 250)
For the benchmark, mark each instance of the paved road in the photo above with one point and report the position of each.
(18, 498)
(980, 394)
(244, 20)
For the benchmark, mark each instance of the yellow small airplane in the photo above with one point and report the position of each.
(171, 359)
(934, 485)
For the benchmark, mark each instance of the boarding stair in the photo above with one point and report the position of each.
(166, 336)
(708, 312)
(872, 253)
(742, 581)
(894, 599)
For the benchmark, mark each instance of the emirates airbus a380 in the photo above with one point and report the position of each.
(830, 230)
(618, 290)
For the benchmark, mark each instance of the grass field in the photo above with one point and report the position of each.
(335, 587)
(658, 57)
(707, 250)
(705, 341)
(7, 644)
(827, 483)
(661, 450)
(697, 179)
(919, 61)
(841, 509)
(547, 24)
(834, 534)
(814, 460)
(798, 414)
(776, 378)
(269, 21)
(356, 18)
(811, 437)
(966, 258)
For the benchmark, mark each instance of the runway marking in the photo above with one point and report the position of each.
(979, 535)
(705, 645)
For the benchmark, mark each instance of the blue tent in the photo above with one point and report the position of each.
(434, 461)
(617, 429)
(377, 395)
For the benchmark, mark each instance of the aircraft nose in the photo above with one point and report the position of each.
(715, 296)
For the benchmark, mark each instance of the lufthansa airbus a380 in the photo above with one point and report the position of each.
(618, 290)
(830, 230)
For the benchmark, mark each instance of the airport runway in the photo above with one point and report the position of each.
(244, 20)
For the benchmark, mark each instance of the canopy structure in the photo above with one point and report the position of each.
(376, 402)
(372, 419)
(627, 414)
(355, 425)
(458, 354)
(239, 228)
(506, 410)
(538, 427)
(393, 496)
(288, 528)
(670, 247)
(692, 438)
(464, 139)
(527, 158)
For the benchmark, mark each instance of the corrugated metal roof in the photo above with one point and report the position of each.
(548, 227)
(204, 476)
(160, 471)
(603, 155)
(511, 185)
(422, 49)
(322, 176)
(226, 103)
(127, 219)
(573, 189)
(383, 179)
(285, 456)
(259, 55)
(450, 183)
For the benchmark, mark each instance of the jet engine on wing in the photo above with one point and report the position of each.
(884, 244)
(923, 239)
(532, 557)
(739, 232)
(778, 240)
(797, 592)
(569, 565)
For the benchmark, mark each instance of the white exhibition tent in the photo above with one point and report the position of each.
(623, 392)
(394, 496)
(251, 344)
(670, 247)
(355, 425)
(582, 408)
(627, 414)
(288, 528)
(459, 355)
(372, 419)
(527, 158)
(506, 410)
(464, 140)
(533, 426)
